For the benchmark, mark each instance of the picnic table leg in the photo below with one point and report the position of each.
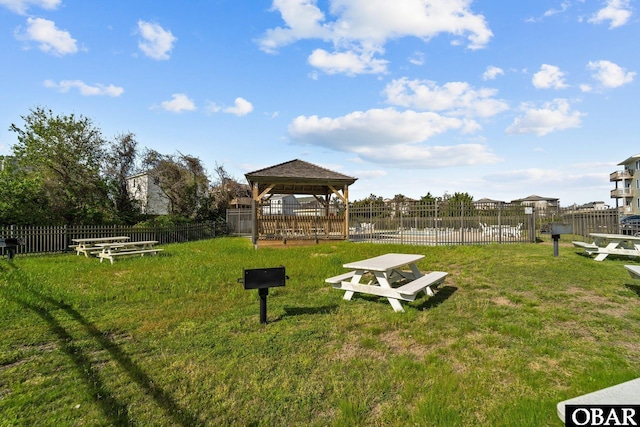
(416, 272)
(355, 279)
(383, 282)
(600, 257)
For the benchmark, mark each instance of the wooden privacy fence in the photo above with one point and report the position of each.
(58, 238)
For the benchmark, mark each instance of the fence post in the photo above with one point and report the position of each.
(462, 221)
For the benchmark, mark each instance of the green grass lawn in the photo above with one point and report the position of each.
(174, 339)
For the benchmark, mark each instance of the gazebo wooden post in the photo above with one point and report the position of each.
(327, 209)
(345, 192)
(254, 216)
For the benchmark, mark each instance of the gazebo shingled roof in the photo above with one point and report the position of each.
(298, 177)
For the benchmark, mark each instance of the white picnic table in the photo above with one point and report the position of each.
(88, 245)
(605, 244)
(627, 393)
(382, 272)
(109, 250)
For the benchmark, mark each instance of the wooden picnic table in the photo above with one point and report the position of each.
(385, 272)
(605, 244)
(88, 245)
(109, 250)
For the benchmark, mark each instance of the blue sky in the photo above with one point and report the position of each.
(497, 99)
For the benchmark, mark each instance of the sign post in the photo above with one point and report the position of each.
(262, 279)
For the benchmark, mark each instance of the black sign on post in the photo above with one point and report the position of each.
(556, 229)
(10, 244)
(262, 279)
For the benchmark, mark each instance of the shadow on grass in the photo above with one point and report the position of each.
(443, 293)
(114, 410)
(6, 265)
(298, 311)
(634, 288)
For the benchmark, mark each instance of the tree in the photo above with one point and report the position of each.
(22, 199)
(120, 165)
(182, 179)
(458, 204)
(375, 205)
(224, 189)
(65, 155)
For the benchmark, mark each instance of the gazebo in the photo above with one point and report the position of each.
(297, 177)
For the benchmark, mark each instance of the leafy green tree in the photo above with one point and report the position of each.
(183, 180)
(457, 205)
(121, 164)
(370, 207)
(65, 155)
(22, 199)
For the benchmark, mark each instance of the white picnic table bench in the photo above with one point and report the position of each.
(383, 272)
(88, 245)
(605, 244)
(634, 271)
(110, 250)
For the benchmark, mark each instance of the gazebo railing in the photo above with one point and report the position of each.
(284, 227)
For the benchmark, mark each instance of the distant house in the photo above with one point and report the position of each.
(592, 206)
(539, 203)
(487, 203)
(311, 206)
(280, 204)
(627, 186)
(144, 188)
(240, 202)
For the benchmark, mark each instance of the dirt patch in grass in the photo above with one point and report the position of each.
(386, 344)
(503, 301)
(598, 303)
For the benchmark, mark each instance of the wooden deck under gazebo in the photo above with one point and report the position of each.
(317, 220)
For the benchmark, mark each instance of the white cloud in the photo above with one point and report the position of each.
(492, 72)
(156, 42)
(362, 28)
(85, 89)
(563, 8)
(391, 137)
(586, 88)
(417, 58)
(369, 174)
(349, 63)
(241, 107)
(456, 98)
(21, 6)
(549, 76)
(617, 12)
(553, 116)
(50, 39)
(179, 102)
(610, 75)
